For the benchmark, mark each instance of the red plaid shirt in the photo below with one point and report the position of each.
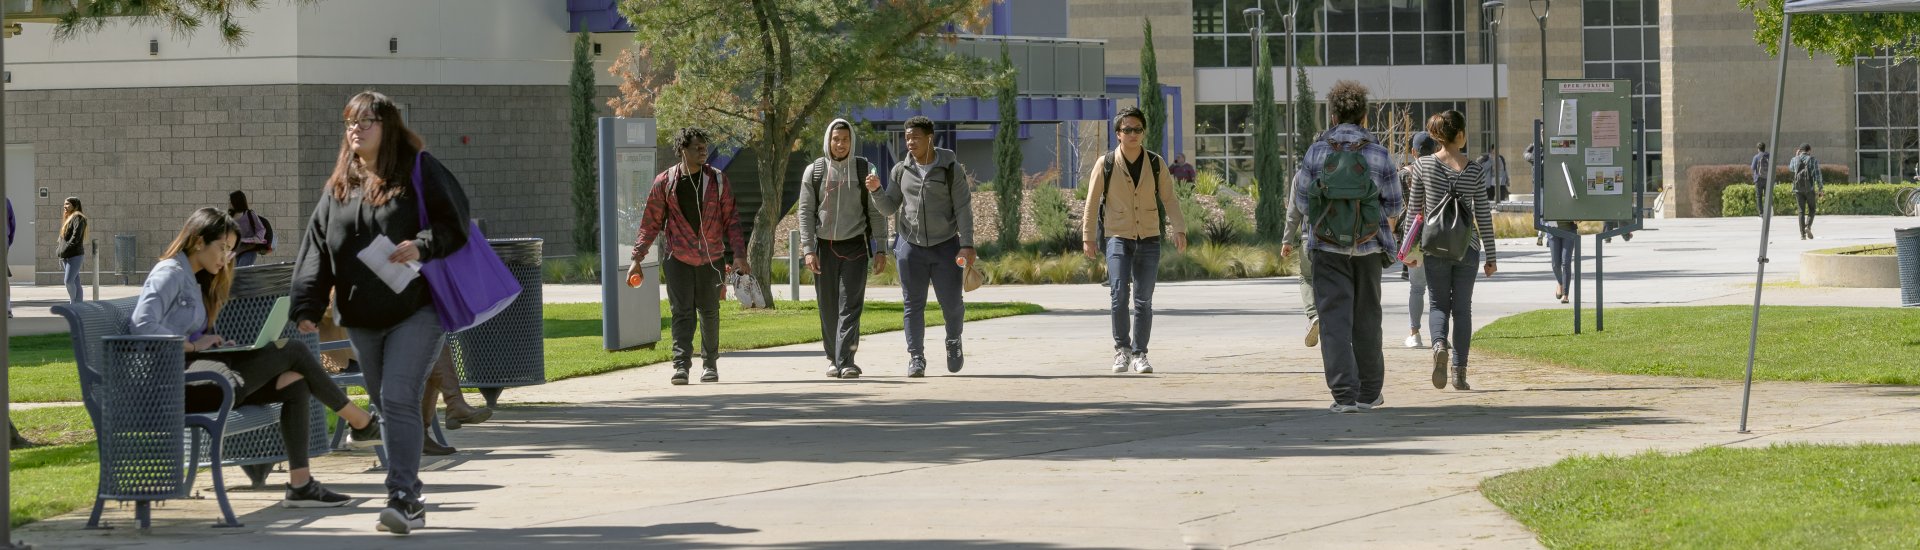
(719, 220)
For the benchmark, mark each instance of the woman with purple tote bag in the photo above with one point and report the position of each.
(385, 192)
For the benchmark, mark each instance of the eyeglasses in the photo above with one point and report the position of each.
(358, 123)
(1132, 130)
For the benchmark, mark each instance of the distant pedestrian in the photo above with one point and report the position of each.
(1808, 186)
(73, 247)
(1422, 144)
(931, 200)
(1443, 180)
(1182, 172)
(1125, 218)
(1762, 164)
(256, 233)
(1347, 205)
(841, 231)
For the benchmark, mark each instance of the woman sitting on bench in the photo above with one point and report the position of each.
(183, 296)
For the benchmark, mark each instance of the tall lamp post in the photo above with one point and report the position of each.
(1540, 9)
(1257, 30)
(1493, 9)
(1286, 117)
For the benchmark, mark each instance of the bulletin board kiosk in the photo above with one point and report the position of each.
(1590, 165)
(630, 316)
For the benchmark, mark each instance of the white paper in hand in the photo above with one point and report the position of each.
(396, 275)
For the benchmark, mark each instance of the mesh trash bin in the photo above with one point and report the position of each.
(1907, 243)
(508, 350)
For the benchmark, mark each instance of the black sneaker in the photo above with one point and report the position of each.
(850, 372)
(917, 367)
(712, 374)
(679, 376)
(313, 495)
(955, 357)
(402, 516)
(367, 437)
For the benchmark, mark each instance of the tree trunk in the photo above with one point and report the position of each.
(19, 441)
(773, 168)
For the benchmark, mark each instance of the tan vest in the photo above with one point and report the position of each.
(1131, 211)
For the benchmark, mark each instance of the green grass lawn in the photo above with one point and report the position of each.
(1794, 496)
(60, 475)
(1817, 344)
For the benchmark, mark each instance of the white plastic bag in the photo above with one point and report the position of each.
(746, 291)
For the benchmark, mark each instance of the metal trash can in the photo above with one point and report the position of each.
(1907, 245)
(508, 350)
(123, 246)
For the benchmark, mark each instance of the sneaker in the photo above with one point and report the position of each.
(679, 376)
(849, 373)
(365, 437)
(917, 367)
(1439, 364)
(313, 495)
(712, 374)
(402, 516)
(1413, 341)
(955, 357)
(1313, 334)
(833, 371)
(1140, 364)
(1344, 408)
(1369, 405)
(1122, 360)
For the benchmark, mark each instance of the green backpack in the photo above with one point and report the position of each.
(1343, 205)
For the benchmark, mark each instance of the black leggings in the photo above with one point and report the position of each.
(254, 373)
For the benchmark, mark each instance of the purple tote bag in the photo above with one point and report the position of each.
(470, 286)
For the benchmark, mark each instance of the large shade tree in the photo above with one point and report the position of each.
(184, 17)
(1844, 36)
(768, 74)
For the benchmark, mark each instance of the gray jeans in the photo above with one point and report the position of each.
(1416, 296)
(396, 361)
(841, 288)
(71, 268)
(919, 267)
(1348, 291)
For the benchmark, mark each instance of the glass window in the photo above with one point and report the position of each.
(1650, 43)
(1873, 166)
(1216, 166)
(1241, 145)
(1626, 13)
(1870, 75)
(1439, 16)
(1341, 50)
(1439, 49)
(1236, 16)
(1651, 73)
(1900, 78)
(1239, 51)
(1906, 139)
(1209, 119)
(1340, 16)
(1460, 46)
(1903, 108)
(1376, 49)
(1873, 139)
(1406, 16)
(1631, 73)
(1597, 13)
(1407, 49)
(1599, 70)
(1375, 15)
(1211, 146)
(1239, 119)
(1652, 115)
(1208, 17)
(1626, 44)
(1599, 45)
(1309, 50)
(1872, 110)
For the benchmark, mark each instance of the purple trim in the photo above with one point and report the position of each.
(974, 110)
(1130, 86)
(597, 16)
(1002, 18)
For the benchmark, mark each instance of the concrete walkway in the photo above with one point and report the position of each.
(1037, 445)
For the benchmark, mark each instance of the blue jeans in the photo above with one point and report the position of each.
(71, 268)
(1416, 296)
(396, 361)
(1135, 261)
(244, 259)
(920, 265)
(1451, 283)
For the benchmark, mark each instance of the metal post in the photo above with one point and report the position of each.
(6, 330)
(1493, 9)
(1766, 219)
(793, 265)
(1287, 166)
(1600, 282)
(96, 270)
(1574, 281)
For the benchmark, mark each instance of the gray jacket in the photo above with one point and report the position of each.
(929, 209)
(836, 212)
(170, 302)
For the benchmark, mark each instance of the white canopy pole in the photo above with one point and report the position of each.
(1766, 215)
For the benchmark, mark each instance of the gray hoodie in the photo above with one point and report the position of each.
(840, 215)
(931, 208)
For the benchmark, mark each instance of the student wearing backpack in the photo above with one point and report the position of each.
(1347, 188)
(1808, 186)
(931, 201)
(1126, 214)
(840, 231)
(1761, 165)
(692, 206)
(1449, 192)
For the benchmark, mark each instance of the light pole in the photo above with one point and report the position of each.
(1256, 30)
(1286, 167)
(1493, 9)
(1540, 9)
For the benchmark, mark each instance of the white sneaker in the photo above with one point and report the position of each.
(1339, 408)
(1377, 401)
(1413, 341)
(1122, 359)
(1140, 364)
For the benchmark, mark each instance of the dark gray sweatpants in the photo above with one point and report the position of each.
(1347, 292)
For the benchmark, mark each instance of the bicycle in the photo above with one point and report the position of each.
(1906, 201)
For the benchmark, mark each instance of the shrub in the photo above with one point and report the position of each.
(1708, 182)
(1195, 215)
(1053, 220)
(1866, 199)
(1206, 183)
(571, 270)
(1231, 225)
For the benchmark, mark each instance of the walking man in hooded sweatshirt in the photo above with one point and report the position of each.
(841, 231)
(1347, 238)
(931, 201)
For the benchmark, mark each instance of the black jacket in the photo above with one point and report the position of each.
(70, 237)
(341, 229)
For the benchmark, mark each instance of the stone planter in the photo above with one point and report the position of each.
(1834, 268)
